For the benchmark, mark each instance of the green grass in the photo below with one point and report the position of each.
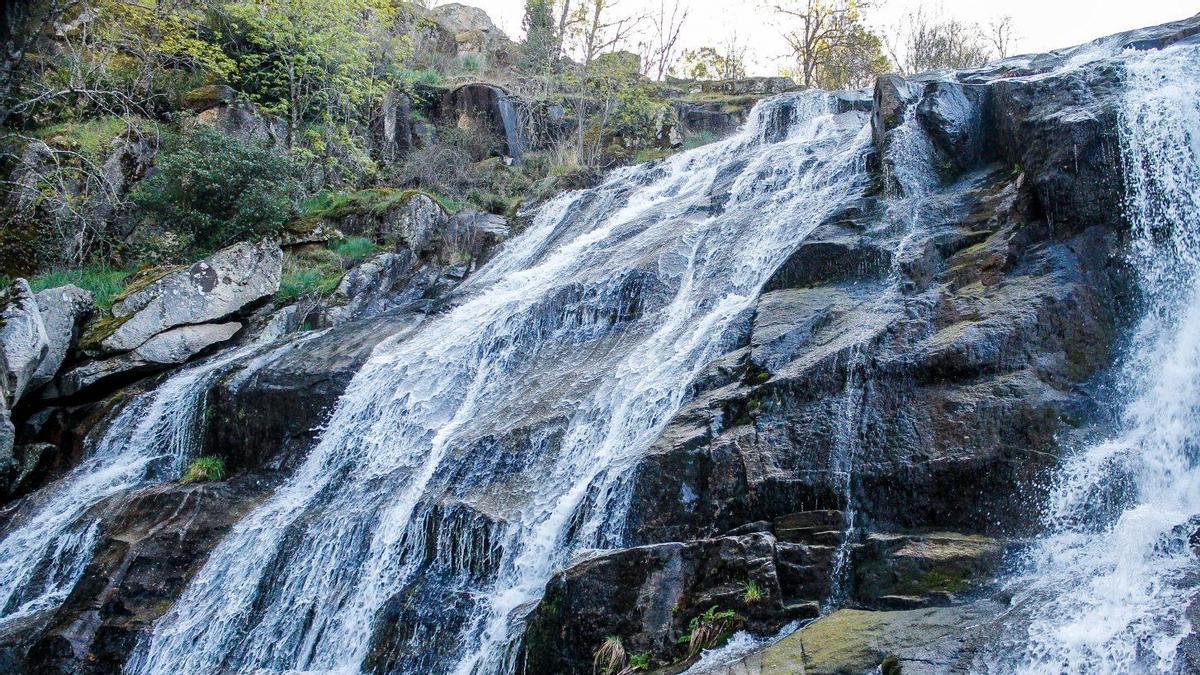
(204, 469)
(104, 282)
(354, 249)
(303, 282)
(753, 593)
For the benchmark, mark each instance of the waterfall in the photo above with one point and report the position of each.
(468, 461)
(1110, 586)
(512, 124)
(50, 541)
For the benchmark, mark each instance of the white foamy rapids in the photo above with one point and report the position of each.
(50, 541)
(469, 460)
(1110, 585)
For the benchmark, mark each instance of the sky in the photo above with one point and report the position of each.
(1039, 25)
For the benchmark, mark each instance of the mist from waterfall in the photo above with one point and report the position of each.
(468, 461)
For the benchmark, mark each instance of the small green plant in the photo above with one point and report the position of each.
(639, 662)
(354, 248)
(470, 63)
(204, 469)
(610, 657)
(752, 592)
(1017, 170)
(709, 630)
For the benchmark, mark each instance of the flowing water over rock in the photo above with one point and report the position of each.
(467, 462)
(150, 440)
(1109, 589)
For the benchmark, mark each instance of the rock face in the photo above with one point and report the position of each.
(22, 338)
(211, 289)
(63, 311)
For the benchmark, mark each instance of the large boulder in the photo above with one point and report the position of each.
(63, 310)
(168, 348)
(212, 289)
(23, 339)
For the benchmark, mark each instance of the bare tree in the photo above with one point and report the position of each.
(925, 41)
(1000, 35)
(659, 45)
(819, 28)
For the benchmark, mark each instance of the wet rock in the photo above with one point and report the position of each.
(212, 289)
(648, 595)
(151, 543)
(367, 289)
(23, 340)
(953, 114)
(63, 311)
(903, 571)
(893, 94)
(1061, 130)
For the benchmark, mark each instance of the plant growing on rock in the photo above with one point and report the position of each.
(204, 469)
(610, 657)
(709, 630)
(752, 593)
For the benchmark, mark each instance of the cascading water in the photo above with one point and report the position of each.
(1108, 588)
(513, 135)
(50, 541)
(468, 461)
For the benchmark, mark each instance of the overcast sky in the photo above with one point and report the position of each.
(1040, 25)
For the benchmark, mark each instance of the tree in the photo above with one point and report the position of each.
(658, 46)
(218, 190)
(854, 64)
(1000, 35)
(820, 30)
(725, 62)
(543, 45)
(307, 56)
(926, 41)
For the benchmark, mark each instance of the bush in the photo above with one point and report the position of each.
(353, 248)
(204, 469)
(218, 190)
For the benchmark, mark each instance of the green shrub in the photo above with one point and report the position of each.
(709, 630)
(310, 273)
(470, 63)
(204, 469)
(639, 661)
(217, 190)
(104, 282)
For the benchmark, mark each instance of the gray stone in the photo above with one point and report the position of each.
(169, 348)
(212, 289)
(63, 311)
(22, 339)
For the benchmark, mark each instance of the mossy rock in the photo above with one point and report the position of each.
(208, 96)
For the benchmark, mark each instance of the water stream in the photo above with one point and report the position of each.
(469, 460)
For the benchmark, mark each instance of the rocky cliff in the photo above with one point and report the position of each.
(867, 440)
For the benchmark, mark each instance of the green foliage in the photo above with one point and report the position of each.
(218, 190)
(610, 657)
(314, 59)
(204, 469)
(469, 63)
(709, 63)
(752, 593)
(354, 249)
(540, 50)
(639, 661)
(709, 629)
(90, 137)
(104, 282)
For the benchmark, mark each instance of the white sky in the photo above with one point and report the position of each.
(1040, 25)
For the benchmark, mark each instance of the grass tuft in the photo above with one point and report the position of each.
(204, 469)
(104, 282)
(610, 657)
